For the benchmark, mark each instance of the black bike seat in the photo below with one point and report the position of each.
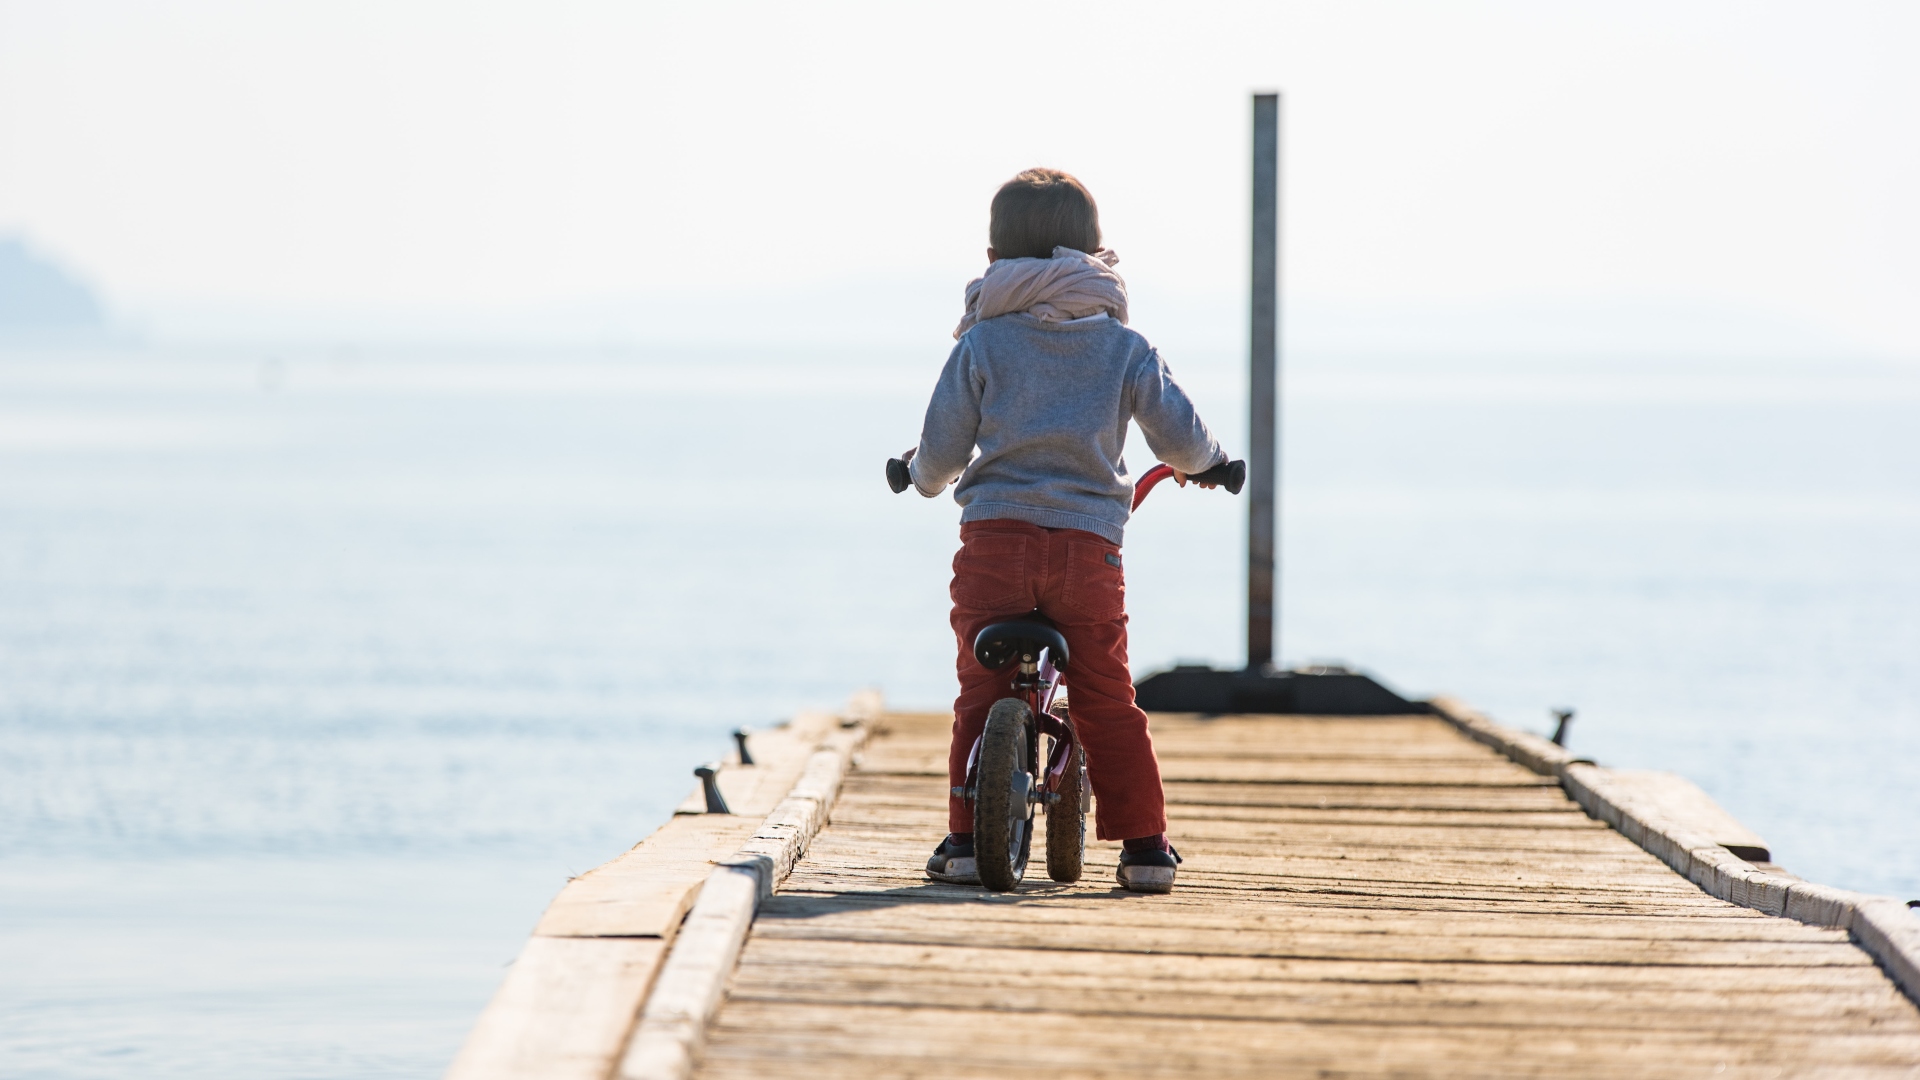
(1003, 642)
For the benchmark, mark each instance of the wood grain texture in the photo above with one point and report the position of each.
(674, 1021)
(1676, 830)
(646, 891)
(693, 978)
(565, 1007)
(571, 999)
(1682, 802)
(1361, 897)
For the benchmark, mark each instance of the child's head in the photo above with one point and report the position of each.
(1039, 210)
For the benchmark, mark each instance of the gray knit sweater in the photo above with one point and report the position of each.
(1047, 403)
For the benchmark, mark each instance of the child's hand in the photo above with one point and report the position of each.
(908, 456)
(1181, 479)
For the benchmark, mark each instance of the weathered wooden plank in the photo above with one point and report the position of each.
(1501, 871)
(1290, 729)
(1454, 950)
(1203, 792)
(1221, 865)
(1114, 994)
(850, 1040)
(1207, 856)
(1550, 817)
(974, 962)
(1364, 773)
(673, 1023)
(884, 804)
(562, 1012)
(1486, 800)
(1188, 758)
(1451, 832)
(646, 891)
(1272, 917)
(1337, 896)
(1680, 801)
(1447, 751)
(1288, 770)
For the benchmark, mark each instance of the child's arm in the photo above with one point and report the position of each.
(1175, 433)
(952, 425)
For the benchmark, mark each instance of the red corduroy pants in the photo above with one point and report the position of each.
(1006, 569)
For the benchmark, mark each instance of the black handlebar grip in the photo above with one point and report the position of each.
(1231, 475)
(898, 478)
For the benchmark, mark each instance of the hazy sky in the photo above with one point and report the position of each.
(1746, 164)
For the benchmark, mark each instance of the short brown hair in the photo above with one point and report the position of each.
(1042, 209)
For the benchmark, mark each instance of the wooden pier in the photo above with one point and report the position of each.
(1427, 894)
(1361, 897)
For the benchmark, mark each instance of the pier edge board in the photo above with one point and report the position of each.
(671, 1029)
(1882, 926)
(574, 994)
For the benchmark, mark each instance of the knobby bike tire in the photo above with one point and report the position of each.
(1002, 825)
(1067, 822)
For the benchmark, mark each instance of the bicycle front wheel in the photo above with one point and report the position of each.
(1002, 809)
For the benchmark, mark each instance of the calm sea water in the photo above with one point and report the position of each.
(321, 669)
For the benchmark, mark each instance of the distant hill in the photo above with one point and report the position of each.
(36, 294)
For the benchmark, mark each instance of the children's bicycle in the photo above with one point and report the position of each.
(1008, 778)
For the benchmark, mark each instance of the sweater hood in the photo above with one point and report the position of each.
(1069, 285)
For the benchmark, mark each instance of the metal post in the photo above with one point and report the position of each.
(1263, 460)
(709, 775)
(1561, 718)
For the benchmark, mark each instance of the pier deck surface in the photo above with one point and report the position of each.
(1361, 897)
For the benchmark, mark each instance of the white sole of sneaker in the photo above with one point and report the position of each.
(958, 872)
(1147, 879)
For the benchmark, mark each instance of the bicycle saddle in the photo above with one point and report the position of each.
(1003, 642)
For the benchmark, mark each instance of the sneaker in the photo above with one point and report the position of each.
(1149, 871)
(953, 863)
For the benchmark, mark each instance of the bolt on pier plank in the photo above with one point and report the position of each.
(1361, 897)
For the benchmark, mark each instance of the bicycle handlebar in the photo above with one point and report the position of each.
(1231, 475)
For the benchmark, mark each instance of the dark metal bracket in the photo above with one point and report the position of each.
(709, 775)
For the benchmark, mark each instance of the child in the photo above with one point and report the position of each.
(1043, 381)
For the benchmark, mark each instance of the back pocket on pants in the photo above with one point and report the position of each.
(990, 574)
(1095, 588)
